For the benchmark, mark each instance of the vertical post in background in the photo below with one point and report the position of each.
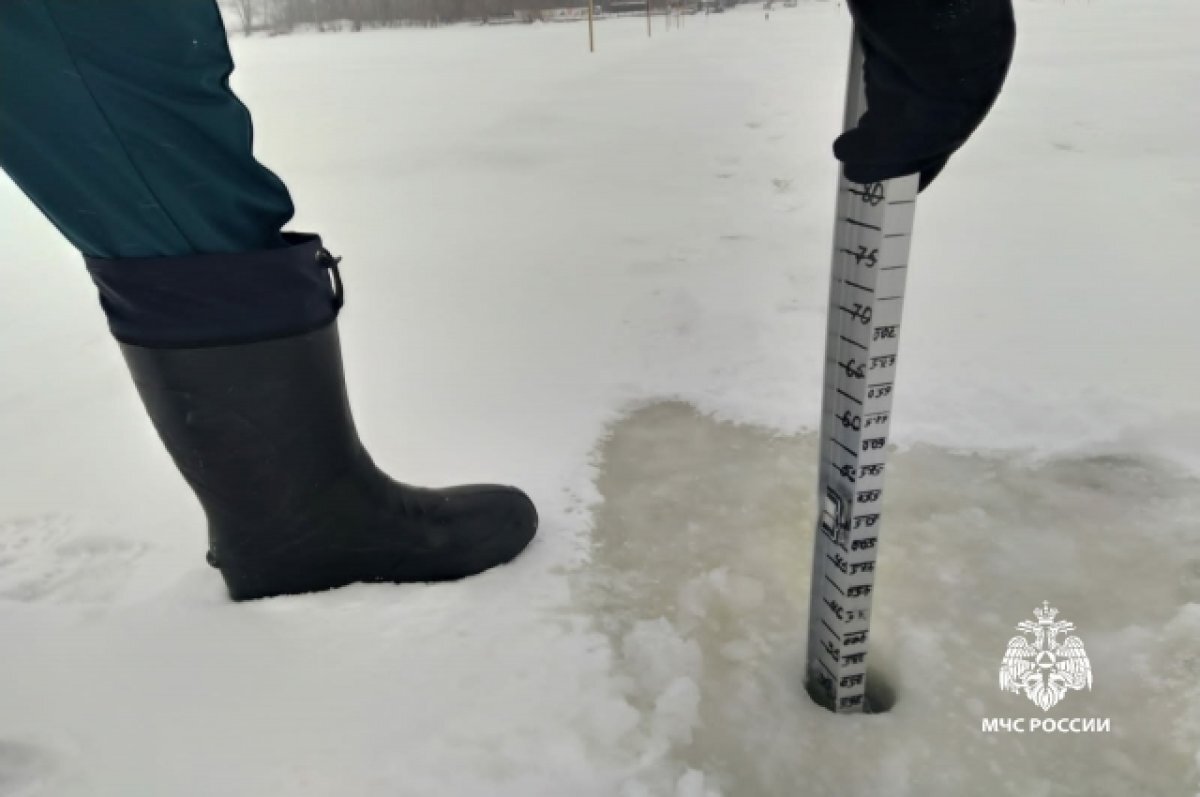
(647, 19)
(872, 236)
(591, 26)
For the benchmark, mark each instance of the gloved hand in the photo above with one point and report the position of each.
(933, 69)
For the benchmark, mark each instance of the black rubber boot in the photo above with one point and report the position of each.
(263, 434)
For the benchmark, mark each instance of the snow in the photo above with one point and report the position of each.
(604, 278)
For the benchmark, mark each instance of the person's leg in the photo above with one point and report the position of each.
(117, 120)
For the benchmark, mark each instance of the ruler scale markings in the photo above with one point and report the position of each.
(873, 226)
(855, 342)
(835, 584)
(847, 395)
(835, 633)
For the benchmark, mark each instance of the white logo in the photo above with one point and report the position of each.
(1045, 669)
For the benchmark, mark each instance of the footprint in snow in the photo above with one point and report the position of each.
(49, 559)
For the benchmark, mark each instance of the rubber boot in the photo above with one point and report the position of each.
(263, 434)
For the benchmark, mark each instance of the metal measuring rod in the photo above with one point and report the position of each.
(872, 236)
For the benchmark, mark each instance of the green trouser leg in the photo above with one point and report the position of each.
(117, 120)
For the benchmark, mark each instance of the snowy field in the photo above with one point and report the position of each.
(604, 278)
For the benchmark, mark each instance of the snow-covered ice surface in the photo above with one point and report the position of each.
(603, 278)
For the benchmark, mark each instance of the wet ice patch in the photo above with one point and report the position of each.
(700, 579)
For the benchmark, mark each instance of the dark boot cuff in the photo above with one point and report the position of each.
(213, 300)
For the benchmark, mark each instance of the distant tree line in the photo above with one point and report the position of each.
(283, 16)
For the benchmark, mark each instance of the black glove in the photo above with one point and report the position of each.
(933, 69)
